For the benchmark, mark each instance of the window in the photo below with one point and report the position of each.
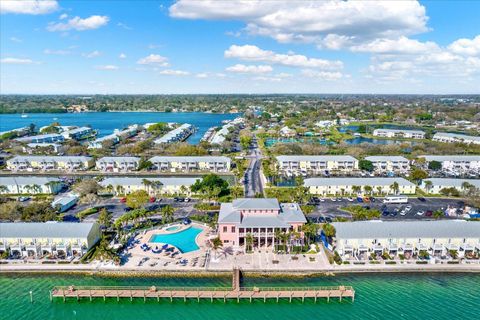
(224, 229)
(225, 241)
(233, 229)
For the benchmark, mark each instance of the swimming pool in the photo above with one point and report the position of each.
(172, 228)
(183, 240)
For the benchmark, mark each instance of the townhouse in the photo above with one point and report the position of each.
(115, 137)
(359, 239)
(455, 162)
(399, 133)
(154, 186)
(434, 185)
(260, 218)
(79, 133)
(117, 164)
(316, 164)
(455, 137)
(189, 164)
(55, 239)
(42, 138)
(389, 163)
(30, 185)
(176, 135)
(349, 186)
(48, 163)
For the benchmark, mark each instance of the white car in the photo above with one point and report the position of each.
(321, 200)
(420, 213)
(333, 199)
(403, 212)
(350, 199)
(408, 208)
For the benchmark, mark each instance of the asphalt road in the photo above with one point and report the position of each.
(252, 181)
(332, 209)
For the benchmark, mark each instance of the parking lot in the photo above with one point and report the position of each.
(331, 209)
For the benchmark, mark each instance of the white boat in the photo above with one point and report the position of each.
(24, 115)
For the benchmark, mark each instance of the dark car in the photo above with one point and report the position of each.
(428, 213)
(422, 199)
(385, 213)
(321, 219)
(372, 199)
(329, 219)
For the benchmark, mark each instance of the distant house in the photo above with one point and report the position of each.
(399, 133)
(78, 133)
(49, 163)
(30, 185)
(117, 164)
(345, 186)
(435, 185)
(455, 137)
(455, 162)
(287, 132)
(43, 138)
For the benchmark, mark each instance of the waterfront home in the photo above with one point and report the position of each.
(389, 163)
(42, 138)
(455, 137)
(359, 239)
(316, 164)
(30, 185)
(154, 186)
(261, 218)
(399, 133)
(79, 133)
(349, 186)
(29, 148)
(189, 164)
(455, 162)
(18, 132)
(47, 163)
(219, 136)
(117, 164)
(64, 202)
(115, 137)
(54, 239)
(176, 135)
(435, 185)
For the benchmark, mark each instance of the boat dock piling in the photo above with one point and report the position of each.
(223, 293)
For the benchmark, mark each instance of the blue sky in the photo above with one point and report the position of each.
(254, 46)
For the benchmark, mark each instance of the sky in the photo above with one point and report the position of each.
(252, 46)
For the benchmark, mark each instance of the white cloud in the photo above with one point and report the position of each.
(34, 7)
(56, 52)
(17, 61)
(323, 75)
(355, 22)
(174, 72)
(79, 24)
(123, 25)
(63, 16)
(470, 47)
(241, 68)
(108, 67)
(154, 59)
(15, 39)
(122, 56)
(402, 45)
(254, 53)
(267, 79)
(92, 54)
(202, 75)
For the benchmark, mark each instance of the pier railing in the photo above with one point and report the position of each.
(220, 289)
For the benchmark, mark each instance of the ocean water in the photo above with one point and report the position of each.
(106, 122)
(380, 296)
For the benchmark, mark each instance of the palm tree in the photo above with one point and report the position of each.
(3, 189)
(277, 235)
(367, 189)
(120, 189)
(217, 243)
(147, 184)
(395, 187)
(183, 190)
(379, 190)
(428, 185)
(356, 189)
(36, 188)
(284, 238)
(167, 214)
(249, 242)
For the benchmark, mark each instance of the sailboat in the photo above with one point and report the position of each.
(24, 115)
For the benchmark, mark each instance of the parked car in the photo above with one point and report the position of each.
(420, 213)
(350, 199)
(123, 200)
(428, 213)
(23, 199)
(422, 199)
(152, 199)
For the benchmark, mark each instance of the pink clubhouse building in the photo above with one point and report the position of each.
(259, 217)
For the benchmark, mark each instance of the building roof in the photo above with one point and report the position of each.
(27, 180)
(456, 136)
(407, 229)
(256, 203)
(451, 158)
(133, 181)
(78, 130)
(51, 158)
(386, 158)
(119, 159)
(173, 134)
(64, 199)
(190, 159)
(457, 183)
(356, 182)
(41, 136)
(316, 158)
(400, 130)
(46, 229)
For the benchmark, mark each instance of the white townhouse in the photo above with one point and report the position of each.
(455, 162)
(30, 185)
(78, 133)
(399, 133)
(117, 164)
(115, 137)
(37, 239)
(42, 138)
(177, 134)
(48, 163)
(316, 164)
(436, 184)
(349, 186)
(357, 240)
(455, 137)
(154, 186)
(193, 163)
(389, 163)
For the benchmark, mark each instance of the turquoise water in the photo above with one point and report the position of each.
(381, 296)
(106, 122)
(174, 228)
(183, 240)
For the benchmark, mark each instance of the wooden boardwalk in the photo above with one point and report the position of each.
(236, 292)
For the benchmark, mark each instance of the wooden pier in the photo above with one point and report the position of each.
(196, 293)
